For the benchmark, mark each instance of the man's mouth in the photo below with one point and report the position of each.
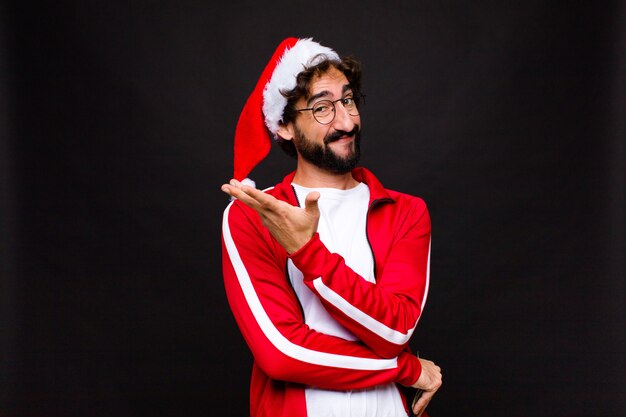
(334, 137)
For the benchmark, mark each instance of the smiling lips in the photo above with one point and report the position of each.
(344, 139)
(341, 135)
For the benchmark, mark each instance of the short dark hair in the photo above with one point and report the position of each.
(349, 66)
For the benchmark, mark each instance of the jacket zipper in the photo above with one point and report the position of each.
(367, 230)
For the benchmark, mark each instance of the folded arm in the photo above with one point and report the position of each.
(383, 314)
(269, 316)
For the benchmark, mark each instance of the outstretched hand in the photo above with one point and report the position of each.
(291, 226)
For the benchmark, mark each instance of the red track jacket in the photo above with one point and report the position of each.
(288, 354)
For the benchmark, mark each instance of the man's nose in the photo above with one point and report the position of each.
(343, 120)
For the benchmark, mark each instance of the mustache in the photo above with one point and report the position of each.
(340, 134)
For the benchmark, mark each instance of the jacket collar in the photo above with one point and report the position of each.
(378, 193)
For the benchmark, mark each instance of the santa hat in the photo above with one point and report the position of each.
(263, 110)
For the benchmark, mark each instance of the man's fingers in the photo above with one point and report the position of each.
(421, 404)
(252, 197)
(240, 195)
(262, 198)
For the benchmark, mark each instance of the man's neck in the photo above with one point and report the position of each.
(310, 176)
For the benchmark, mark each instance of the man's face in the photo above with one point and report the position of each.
(333, 147)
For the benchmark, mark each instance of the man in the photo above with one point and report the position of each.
(327, 272)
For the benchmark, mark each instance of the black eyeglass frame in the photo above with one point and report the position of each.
(355, 97)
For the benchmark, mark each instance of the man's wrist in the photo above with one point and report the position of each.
(309, 258)
(297, 246)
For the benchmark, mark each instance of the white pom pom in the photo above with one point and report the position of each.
(249, 182)
(245, 181)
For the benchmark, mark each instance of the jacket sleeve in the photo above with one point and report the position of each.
(270, 318)
(383, 314)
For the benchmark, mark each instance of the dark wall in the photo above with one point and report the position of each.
(508, 119)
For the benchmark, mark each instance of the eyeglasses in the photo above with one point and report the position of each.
(324, 110)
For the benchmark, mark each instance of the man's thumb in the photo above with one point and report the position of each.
(310, 203)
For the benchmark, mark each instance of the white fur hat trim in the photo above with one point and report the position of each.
(303, 54)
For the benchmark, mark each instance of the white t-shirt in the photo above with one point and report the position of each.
(342, 229)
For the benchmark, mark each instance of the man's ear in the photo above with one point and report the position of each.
(285, 131)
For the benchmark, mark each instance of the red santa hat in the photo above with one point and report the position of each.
(263, 111)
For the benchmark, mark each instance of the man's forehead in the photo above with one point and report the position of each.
(332, 81)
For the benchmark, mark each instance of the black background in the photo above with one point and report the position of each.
(508, 118)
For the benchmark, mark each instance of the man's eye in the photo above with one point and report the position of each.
(348, 101)
(322, 108)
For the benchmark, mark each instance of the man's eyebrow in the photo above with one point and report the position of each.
(316, 96)
(346, 87)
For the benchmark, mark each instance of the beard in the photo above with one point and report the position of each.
(322, 156)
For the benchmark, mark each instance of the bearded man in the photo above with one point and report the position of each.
(326, 273)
